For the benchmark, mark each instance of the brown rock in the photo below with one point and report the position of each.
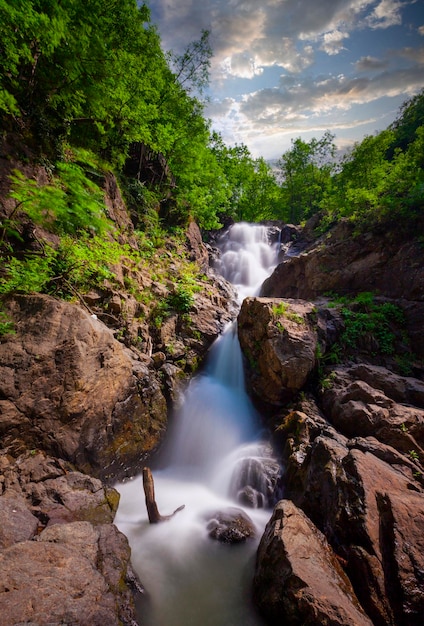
(343, 262)
(368, 500)
(116, 207)
(359, 409)
(16, 521)
(55, 493)
(65, 577)
(70, 388)
(279, 341)
(298, 579)
(198, 250)
(230, 525)
(392, 520)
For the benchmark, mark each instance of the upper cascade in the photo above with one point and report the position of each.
(247, 257)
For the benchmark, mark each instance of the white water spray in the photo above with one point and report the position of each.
(212, 461)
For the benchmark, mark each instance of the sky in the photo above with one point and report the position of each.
(283, 69)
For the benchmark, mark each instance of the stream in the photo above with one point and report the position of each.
(213, 459)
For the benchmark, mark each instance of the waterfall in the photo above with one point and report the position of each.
(213, 459)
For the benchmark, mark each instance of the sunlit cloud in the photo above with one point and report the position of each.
(267, 34)
(387, 13)
(309, 99)
(282, 67)
(332, 43)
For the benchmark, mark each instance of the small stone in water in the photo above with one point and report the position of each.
(231, 525)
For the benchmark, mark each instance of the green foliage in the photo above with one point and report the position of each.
(327, 382)
(70, 203)
(79, 265)
(191, 68)
(6, 325)
(80, 69)
(407, 123)
(306, 171)
(93, 75)
(281, 310)
(73, 268)
(28, 275)
(181, 300)
(369, 322)
(382, 178)
(413, 454)
(160, 312)
(248, 186)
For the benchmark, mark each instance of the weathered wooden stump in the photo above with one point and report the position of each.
(149, 492)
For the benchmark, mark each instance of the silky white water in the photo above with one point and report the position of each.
(190, 579)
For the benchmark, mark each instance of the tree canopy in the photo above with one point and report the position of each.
(92, 75)
(379, 178)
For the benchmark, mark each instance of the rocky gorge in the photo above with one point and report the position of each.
(87, 386)
(345, 545)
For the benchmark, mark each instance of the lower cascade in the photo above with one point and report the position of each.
(215, 463)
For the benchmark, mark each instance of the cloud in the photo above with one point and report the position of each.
(365, 64)
(333, 42)
(247, 36)
(240, 65)
(416, 55)
(387, 13)
(258, 41)
(288, 105)
(299, 107)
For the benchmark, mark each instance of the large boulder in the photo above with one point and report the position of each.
(61, 558)
(65, 577)
(298, 579)
(279, 340)
(370, 401)
(344, 261)
(366, 496)
(39, 488)
(68, 387)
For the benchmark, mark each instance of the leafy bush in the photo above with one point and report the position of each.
(28, 275)
(181, 300)
(366, 320)
(70, 203)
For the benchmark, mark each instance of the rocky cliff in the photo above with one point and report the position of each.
(339, 377)
(87, 381)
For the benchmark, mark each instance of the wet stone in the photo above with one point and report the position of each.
(230, 525)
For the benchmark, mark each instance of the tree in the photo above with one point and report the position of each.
(305, 172)
(359, 185)
(90, 71)
(191, 68)
(252, 187)
(410, 118)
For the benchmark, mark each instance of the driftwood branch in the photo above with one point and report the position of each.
(149, 492)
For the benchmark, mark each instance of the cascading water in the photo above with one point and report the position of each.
(212, 461)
